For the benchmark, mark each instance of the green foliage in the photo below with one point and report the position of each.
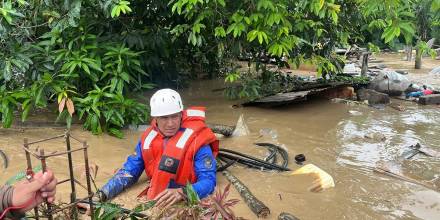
(122, 6)
(425, 49)
(107, 211)
(373, 48)
(248, 87)
(412, 20)
(21, 175)
(191, 195)
(69, 60)
(98, 53)
(104, 110)
(232, 77)
(280, 29)
(144, 206)
(355, 80)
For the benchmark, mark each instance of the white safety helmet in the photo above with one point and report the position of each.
(165, 102)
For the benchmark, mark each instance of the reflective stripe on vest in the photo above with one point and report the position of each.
(195, 113)
(149, 139)
(184, 138)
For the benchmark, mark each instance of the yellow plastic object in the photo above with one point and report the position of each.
(322, 181)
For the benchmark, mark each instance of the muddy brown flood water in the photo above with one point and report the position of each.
(328, 135)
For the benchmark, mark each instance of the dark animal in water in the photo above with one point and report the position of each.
(5, 159)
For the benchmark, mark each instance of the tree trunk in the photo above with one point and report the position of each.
(418, 63)
(408, 52)
(365, 63)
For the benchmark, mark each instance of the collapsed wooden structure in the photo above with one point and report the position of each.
(300, 94)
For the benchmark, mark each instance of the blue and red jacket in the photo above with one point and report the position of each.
(197, 160)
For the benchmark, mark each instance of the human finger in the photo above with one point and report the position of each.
(160, 195)
(38, 182)
(38, 175)
(170, 203)
(51, 186)
(48, 194)
(166, 202)
(51, 199)
(47, 176)
(161, 200)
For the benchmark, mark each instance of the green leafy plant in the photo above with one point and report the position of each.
(122, 67)
(424, 49)
(217, 206)
(107, 211)
(122, 6)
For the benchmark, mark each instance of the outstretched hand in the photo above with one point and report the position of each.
(168, 197)
(32, 193)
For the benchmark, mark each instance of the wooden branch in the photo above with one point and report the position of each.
(386, 171)
(257, 207)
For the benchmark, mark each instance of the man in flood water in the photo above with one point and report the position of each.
(178, 148)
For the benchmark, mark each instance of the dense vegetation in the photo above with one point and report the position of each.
(91, 59)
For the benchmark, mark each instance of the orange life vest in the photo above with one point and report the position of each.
(174, 159)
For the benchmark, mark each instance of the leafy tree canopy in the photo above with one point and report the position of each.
(89, 57)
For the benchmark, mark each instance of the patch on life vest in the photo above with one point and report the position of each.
(208, 162)
(169, 164)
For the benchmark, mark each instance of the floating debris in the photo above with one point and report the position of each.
(257, 207)
(241, 128)
(268, 132)
(225, 130)
(323, 179)
(376, 136)
(355, 113)
(416, 149)
(398, 107)
(287, 216)
(349, 102)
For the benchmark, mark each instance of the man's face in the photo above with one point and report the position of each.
(169, 124)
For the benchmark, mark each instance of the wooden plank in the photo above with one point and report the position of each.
(284, 97)
(298, 94)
